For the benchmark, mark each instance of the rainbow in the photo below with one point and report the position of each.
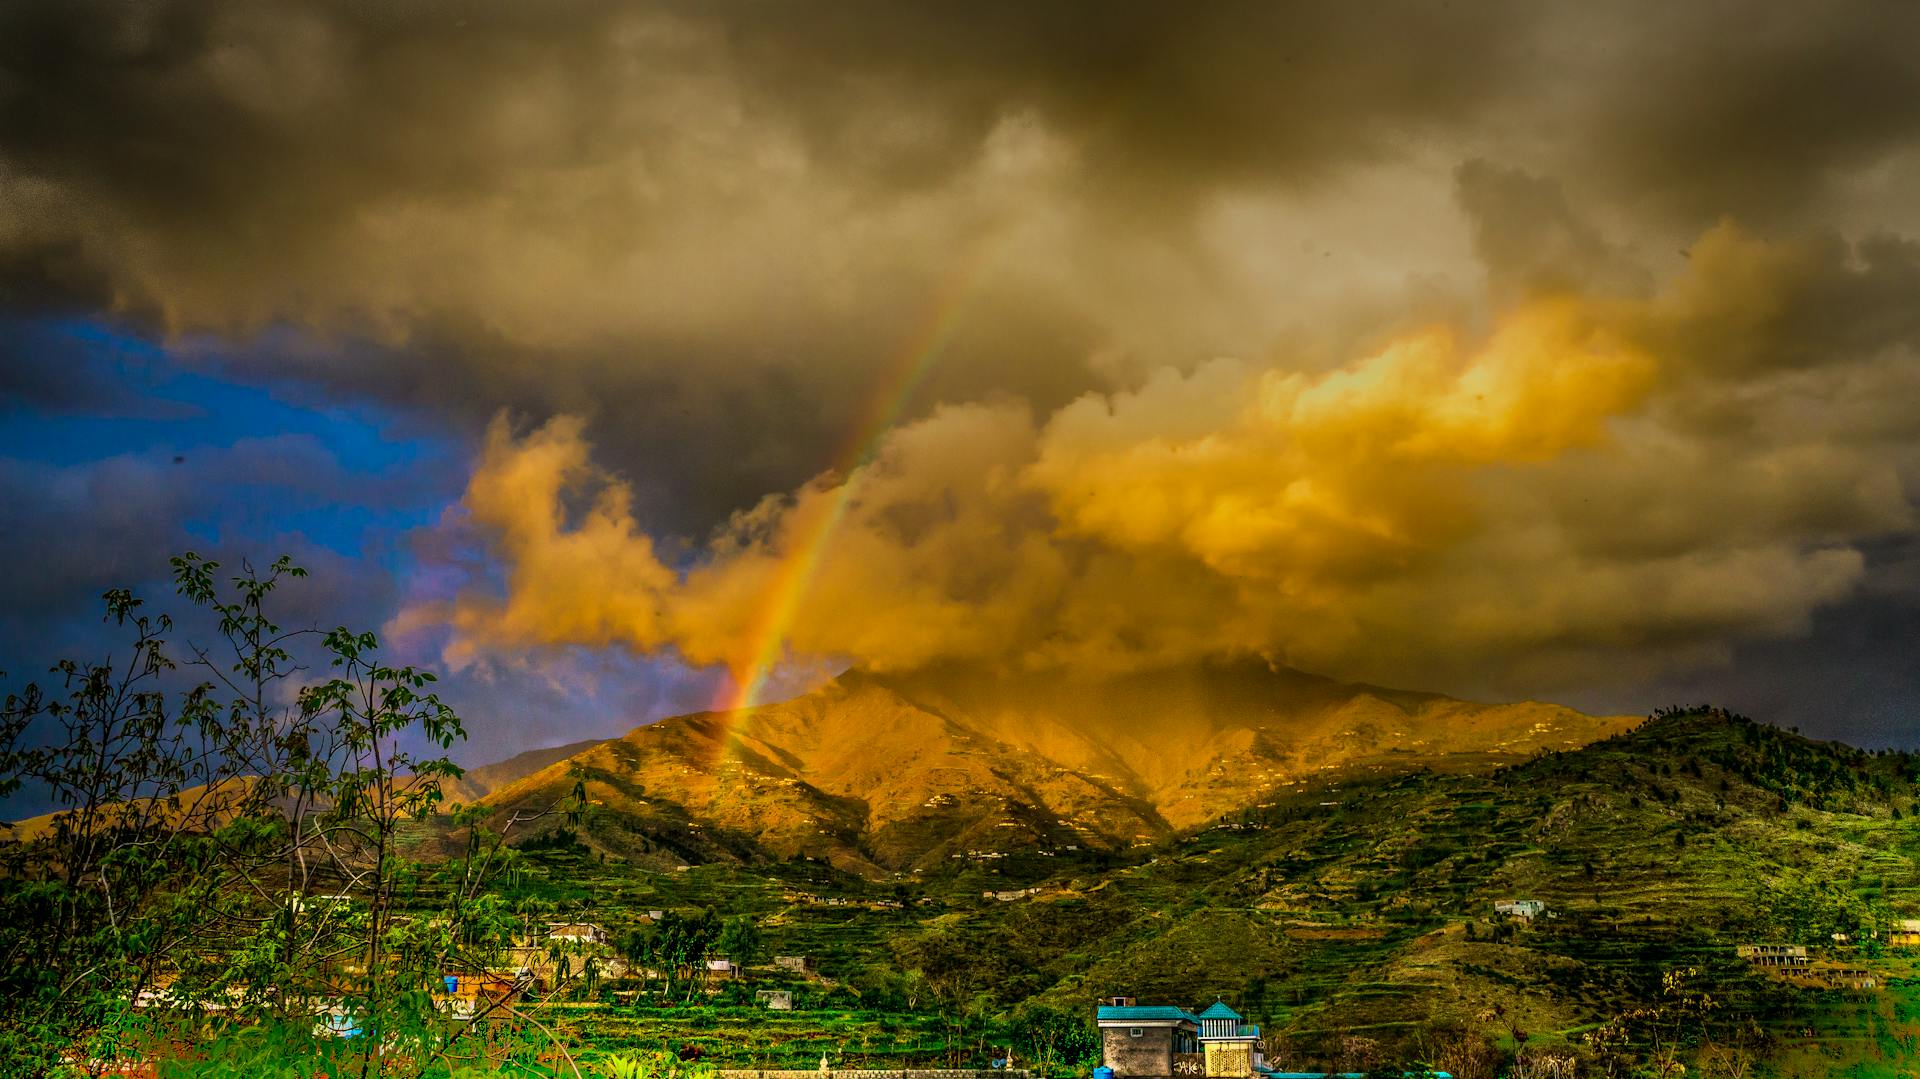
(747, 684)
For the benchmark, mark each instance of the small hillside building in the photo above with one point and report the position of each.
(1845, 977)
(579, 932)
(1905, 933)
(465, 993)
(1161, 1042)
(1156, 1040)
(1230, 1046)
(1773, 955)
(1524, 909)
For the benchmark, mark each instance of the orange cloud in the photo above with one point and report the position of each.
(1426, 509)
(1313, 480)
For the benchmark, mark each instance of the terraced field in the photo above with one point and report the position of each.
(1354, 911)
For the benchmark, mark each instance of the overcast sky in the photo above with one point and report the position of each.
(584, 349)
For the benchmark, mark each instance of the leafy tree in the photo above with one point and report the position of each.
(1052, 1039)
(676, 947)
(221, 842)
(162, 816)
(740, 941)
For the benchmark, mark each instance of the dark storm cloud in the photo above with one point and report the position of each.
(710, 228)
(1854, 676)
(712, 231)
(1531, 239)
(1747, 109)
(1166, 100)
(273, 109)
(583, 208)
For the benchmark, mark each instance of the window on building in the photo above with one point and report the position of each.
(1136, 1032)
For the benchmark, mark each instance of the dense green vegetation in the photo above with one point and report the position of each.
(1355, 921)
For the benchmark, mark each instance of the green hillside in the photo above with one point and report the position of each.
(1353, 918)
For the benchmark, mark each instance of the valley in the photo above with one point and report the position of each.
(1350, 913)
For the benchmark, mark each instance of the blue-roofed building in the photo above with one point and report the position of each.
(1161, 1041)
(1158, 1041)
(1138, 1041)
(1229, 1045)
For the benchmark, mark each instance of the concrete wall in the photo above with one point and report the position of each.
(1149, 1054)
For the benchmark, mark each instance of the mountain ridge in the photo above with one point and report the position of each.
(887, 772)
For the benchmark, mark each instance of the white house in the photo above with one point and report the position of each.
(579, 932)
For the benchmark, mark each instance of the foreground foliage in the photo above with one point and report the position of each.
(226, 842)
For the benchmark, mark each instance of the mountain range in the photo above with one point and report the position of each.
(881, 773)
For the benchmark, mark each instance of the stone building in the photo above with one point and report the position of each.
(1523, 909)
(1154, 1040)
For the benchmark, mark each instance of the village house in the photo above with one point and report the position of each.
(1155, 1040)
(568, 950)
(579, 932)
(161, 995)
(1773, 955)
(775, 1000)
(1524, 909)
(1168, 1041)
(1160, 1042)
(465, 994)
(1230, 1046)
(798, 964)
(1905, 933)
(1843, 977)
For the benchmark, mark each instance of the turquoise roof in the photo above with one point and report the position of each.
(1219, 1010)
(1151, 1012)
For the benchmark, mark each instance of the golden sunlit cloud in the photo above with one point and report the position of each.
(1449, 501)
